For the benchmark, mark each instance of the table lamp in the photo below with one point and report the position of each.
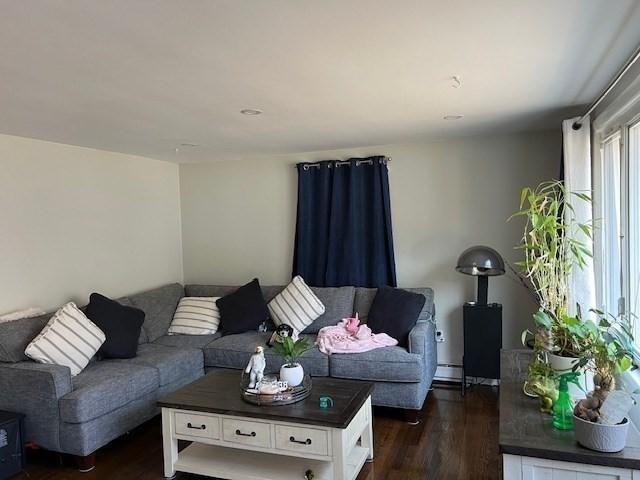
(482, 262)
(482, 322)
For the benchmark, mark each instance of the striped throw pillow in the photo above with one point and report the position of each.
(69, 339)
(296, 306)
(196, 316)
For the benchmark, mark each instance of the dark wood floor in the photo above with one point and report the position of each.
(457, 439)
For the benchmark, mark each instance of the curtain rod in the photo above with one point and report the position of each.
(359, 161)
(621, 73)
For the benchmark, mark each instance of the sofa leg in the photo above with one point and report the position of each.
(412, 417)
(86, 463)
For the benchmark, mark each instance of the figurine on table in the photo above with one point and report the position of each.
(255, 367)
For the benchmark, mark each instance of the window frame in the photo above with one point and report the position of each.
(620, 125)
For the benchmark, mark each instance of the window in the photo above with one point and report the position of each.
(634, 220)
(617, 214)
(609, 224)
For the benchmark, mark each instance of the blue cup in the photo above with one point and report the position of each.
(326, 401)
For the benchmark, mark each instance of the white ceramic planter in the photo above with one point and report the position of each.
(562, 364)
(602, 438)
(292, 373)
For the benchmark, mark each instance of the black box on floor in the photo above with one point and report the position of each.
(11, 444)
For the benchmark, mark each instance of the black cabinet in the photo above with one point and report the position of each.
(482, 325)
(11, 444)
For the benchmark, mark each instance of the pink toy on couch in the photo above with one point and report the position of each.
(351, 337)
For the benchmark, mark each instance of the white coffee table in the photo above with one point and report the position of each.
(236, 440)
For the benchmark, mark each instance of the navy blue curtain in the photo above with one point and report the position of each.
(343, 227)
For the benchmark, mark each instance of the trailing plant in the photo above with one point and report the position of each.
(542, 383)
(291, 351)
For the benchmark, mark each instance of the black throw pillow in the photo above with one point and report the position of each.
(120, 324)
(243, 310)
(395, 312)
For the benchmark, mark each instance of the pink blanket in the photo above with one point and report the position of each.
(350, 337)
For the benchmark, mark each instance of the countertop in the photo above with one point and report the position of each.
(525, 431)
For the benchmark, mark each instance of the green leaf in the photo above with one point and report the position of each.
(542, 319)
(523, 196)
(586, 229)
(624, 363)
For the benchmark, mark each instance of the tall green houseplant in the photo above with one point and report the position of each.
(551, 250)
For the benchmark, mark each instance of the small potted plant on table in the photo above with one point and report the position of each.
(291, 371)
(607, 357)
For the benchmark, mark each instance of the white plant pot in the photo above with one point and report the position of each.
(292, 373)
(562, 365)
(602, 438)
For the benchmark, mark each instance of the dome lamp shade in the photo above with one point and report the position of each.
(482, 262)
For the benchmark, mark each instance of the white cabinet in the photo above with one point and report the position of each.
(516, 467)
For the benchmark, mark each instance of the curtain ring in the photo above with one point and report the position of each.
(305, 167)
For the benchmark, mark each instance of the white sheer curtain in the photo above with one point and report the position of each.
(576, 146)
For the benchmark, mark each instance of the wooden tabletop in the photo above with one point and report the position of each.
(219, 392)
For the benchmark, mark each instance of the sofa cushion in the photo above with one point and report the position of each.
(268, 292)
(159, 305)
(395, 312)
(296, 306)
(243, 310)
(338, 304)
(17, 334)
(234, 351)
(68, 339)
(195, 316)
(187, 341)
(126, 301)
(121, 325)
(387, 364)
(364, 300)
(171, 363)
(106, 386)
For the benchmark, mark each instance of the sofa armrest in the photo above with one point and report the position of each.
(422, 340)
(34, 389)
(34, 379)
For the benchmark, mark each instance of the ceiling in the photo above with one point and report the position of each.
(144, 76)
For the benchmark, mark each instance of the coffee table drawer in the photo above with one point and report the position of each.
(197, 425)
(246, 432)
(302, 439)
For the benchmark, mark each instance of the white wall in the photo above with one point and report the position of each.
(75, 220)
(238, 218)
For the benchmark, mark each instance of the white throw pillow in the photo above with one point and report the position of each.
(69, 339)
(196, 316)
(296, 306)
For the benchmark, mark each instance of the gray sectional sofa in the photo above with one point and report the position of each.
(77, 415)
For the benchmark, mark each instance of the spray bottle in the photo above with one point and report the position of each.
(563, 408)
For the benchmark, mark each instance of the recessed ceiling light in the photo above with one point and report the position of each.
(250, 111)
(453, 117)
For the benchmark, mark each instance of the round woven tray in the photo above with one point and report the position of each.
(292, 395)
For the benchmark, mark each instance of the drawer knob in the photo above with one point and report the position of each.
(252, 434)
(302, 442)
(201, 427)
